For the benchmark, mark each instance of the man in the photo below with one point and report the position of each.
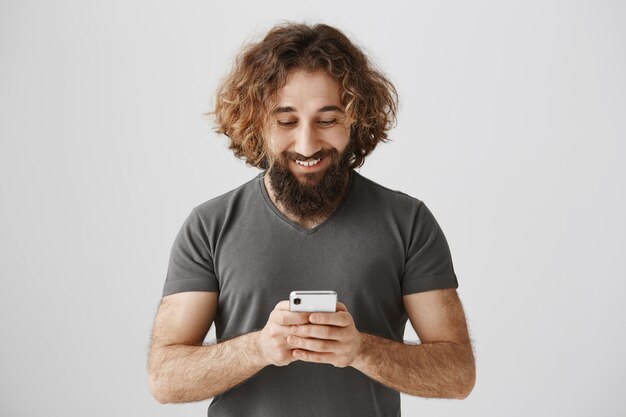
(306, 106)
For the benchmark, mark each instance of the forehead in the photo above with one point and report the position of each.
(302, 86)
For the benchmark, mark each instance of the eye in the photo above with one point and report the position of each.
(327, 123)
(286, 123)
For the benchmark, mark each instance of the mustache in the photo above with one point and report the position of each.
(317, 155)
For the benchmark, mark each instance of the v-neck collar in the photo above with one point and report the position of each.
(304, 230)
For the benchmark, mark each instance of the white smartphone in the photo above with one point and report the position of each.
(313, 301)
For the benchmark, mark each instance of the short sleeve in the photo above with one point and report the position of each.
(428, 264)
(191, 263)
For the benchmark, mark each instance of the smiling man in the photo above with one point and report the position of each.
(310, 139)
(306, 107)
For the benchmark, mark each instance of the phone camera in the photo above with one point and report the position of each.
(296, 301)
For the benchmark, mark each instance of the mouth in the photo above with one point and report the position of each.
(308, 164)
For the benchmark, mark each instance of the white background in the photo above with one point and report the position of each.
(511, 128)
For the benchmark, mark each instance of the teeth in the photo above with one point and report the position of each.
(307, 164)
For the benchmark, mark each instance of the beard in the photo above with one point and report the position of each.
(314, 194)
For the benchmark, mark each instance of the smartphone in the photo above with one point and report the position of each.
(313, 301)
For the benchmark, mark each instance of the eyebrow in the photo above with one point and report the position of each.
(289, 109)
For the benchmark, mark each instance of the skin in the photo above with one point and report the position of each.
(309, 118)
(182, 369)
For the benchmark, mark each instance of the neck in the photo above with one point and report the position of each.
(308, 222)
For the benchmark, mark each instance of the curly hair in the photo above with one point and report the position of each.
(247, 96)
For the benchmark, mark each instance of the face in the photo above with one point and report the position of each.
(308, 123)
(310, 144)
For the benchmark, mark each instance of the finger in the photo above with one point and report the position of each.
(288, 318)
(313, 345)
(317, 357)
(283, 305)
(341, 307)
(317, 331)
(341, 318)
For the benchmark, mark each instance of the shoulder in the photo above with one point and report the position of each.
(387, 211)
(228, 200)
(210, 219)
(383, 197)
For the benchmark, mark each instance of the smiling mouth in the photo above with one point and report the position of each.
(310, 163)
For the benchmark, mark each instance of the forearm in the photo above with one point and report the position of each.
(435, 370)
(182, 373)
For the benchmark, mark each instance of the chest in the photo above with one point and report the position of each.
(260, 266)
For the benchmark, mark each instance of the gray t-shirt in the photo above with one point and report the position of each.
(377, 246)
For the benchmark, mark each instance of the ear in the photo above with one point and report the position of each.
(264, 163)
(266, 159)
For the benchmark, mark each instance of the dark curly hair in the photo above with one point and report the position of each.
(246, 97)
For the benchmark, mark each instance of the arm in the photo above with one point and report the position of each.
(441, 366)
(181, 369)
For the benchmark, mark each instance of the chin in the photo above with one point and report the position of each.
(309, 177)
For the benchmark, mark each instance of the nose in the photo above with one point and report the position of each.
(306, 140)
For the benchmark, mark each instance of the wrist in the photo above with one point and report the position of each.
(360, 360)
(257, 356)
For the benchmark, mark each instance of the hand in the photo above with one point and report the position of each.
(272, 340)
(331, 338)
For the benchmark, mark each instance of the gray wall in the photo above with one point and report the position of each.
(512, 130)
